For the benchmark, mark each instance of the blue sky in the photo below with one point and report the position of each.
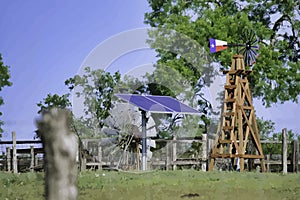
(45, 43)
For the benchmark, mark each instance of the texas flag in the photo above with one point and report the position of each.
(217, 45)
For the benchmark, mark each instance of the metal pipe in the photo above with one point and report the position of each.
(144, 142)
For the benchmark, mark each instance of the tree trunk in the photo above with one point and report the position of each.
(60, 146)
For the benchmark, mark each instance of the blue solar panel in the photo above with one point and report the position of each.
(158, 104)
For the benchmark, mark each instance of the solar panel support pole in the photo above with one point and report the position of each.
(144, 141)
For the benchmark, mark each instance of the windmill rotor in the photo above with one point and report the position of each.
(248, 47)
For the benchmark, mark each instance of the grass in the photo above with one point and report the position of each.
(161, 185)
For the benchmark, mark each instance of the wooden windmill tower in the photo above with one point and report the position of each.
(239, 130)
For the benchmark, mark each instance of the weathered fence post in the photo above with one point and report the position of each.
(174, 153)
(15, 161)
(8, 159)
(83, 163)
(295, 156)
(99, 156)
(167, 156)
(268, 162)
(36, 160)
(284, 151)
(60, 146)
(32, 159)
(204, 152)
(82, 155)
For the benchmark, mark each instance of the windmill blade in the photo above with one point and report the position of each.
(243, 52)
(252, 39)
(256, 47)
(252, 58)
(249, 57)
(253, 52)
(245, 55)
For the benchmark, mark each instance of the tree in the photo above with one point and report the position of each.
(267, 132)
(276, 76)
(54, 101)
(266, 128)
(96, 88)
(4, 81)
(50, 102)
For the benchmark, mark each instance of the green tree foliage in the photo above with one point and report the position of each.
(4, 81)
(266, 128)
(96, 88)
(276, 76)
(267, 132)
(54, 101)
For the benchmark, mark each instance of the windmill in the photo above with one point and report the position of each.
(238, 138)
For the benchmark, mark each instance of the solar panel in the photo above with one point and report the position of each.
(158, 104)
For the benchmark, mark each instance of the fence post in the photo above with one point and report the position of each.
(167, 156)
(8, 159)
(99, 156)
(295, 156)
(32, 159)
(36, 160)
(15, 161)
(60, 146)
(284, 151)
(83, 162)
(174, 153)
(268, 162)
(204, 152)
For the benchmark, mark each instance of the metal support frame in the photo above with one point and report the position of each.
(144, 141)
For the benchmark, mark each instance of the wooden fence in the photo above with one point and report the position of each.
(169, 154)
(15, 164)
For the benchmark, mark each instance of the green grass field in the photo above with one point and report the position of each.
(160, 185)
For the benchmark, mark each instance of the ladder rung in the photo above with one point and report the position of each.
(225, 141)
(230, 87)
(227, 127)
(229, 113)
(248, 107)
(231, 72)
(229, 100)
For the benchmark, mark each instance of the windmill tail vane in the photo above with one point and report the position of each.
(248, 50)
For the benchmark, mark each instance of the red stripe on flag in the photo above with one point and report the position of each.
(221, 48)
